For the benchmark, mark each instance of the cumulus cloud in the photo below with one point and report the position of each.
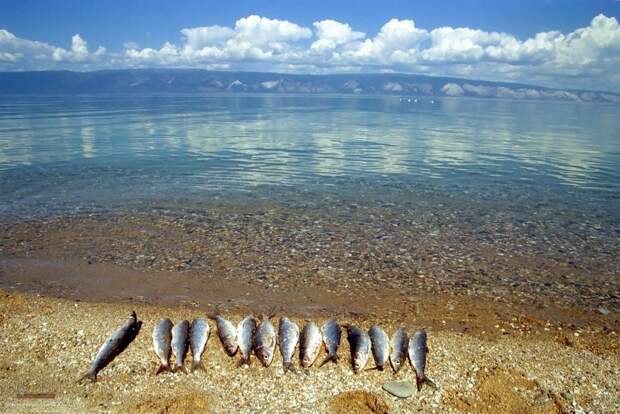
(331, 33)
(23, 54)
(586, 57)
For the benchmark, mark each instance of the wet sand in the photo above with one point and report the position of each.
(530, 326)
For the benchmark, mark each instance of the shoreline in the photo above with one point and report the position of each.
(509, 330)
(339, 251)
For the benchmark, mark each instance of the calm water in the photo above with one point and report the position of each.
(67, 154)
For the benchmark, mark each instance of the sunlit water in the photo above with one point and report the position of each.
(68, 154)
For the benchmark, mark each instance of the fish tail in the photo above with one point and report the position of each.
(430, 382)
(91, 375)
(198, 365)
(213, 315)
(243, 361)
(287, 366)
(421, 379)
(162, 368)
(178, 368)
(271, 312)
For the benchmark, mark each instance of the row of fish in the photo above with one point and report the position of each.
(261, 338)
(248, 336)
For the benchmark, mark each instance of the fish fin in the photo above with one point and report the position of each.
(377, 368)
(419, 380)
(198, 365)
(162, 368)
(92, 376)
(431, 383)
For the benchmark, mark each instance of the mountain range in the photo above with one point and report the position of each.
(196, 81)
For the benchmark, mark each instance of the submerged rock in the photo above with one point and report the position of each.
(603, 311)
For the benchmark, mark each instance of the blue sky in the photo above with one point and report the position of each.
(556, 43)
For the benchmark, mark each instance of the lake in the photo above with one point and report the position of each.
(60, 154)
(493, 197)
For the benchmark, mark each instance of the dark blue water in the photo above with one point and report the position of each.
(105, 153)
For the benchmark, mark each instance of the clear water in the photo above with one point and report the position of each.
(67, 154)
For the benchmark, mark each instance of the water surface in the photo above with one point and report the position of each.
(64, 154)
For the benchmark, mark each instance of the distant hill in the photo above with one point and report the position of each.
(205, 82)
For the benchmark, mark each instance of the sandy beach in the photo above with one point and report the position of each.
(480, 364)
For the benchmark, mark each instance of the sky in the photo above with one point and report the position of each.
(557, 43)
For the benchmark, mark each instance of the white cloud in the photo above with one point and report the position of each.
(586, 57)
(331, 33)
(23, 54)
(200, 37)
(261, 30)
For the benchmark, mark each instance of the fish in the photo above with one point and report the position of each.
(245, 336)
(264, 341)
(227, 334)
(417, 356)
(198, 337)
(162, 335)
(288, 332)
(180, 337)
(380, 346)
(331, 338)
(113, 346)
(360, 347)
(398, 345)
(310, 344)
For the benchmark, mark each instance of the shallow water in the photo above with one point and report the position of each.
(62, 154)
(494, 197)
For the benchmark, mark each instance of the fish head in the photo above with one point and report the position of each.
(265, 355)
(396, 363)
(358, 363)
(306, 361)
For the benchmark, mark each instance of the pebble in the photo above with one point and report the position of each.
(401, 389)
(603, 311)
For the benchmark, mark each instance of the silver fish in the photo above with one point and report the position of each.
(398, 345)
(198, 337)
(265, 341)
(360, 347)
(227, 333)
(162, 335)
(245, 335)
(380, 346)
(113, 346)
(417, 356)
(288, 332)
(331, 337)
(310, 344)
(180, 337)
